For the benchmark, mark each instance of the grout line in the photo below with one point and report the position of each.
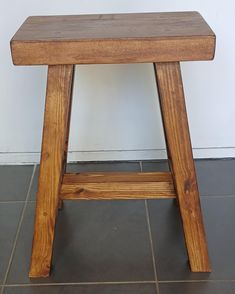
(18, 228)
(16, 201)
(151, 245)
(12, 201)
(197, 281)
(81, 283)
(115, 283)
(218, 196)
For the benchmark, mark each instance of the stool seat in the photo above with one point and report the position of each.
(113, 38)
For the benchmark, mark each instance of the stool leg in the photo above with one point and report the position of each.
(171, 95)
(56, 120)
(61, 202)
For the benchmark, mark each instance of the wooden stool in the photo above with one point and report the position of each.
(163, 39)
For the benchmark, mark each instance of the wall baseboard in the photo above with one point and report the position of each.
(103, 155)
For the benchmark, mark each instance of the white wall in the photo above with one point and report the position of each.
(116, 113)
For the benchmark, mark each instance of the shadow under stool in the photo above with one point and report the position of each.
(163, 39)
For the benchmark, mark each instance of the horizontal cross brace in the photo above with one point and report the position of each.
(113, 185)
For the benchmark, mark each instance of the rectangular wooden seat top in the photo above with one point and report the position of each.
(113, 38)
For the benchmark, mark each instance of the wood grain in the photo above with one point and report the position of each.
(60, 205)
(56, 119)
(175, 122)
(113, 38)
(106, 177)
(88, 186)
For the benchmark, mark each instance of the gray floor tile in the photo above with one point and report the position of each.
(90, 167)
(9, 218)
(14, 182)
(216, 177)
(84, 289)
(155, 166)
(95, 241)
(198, 288)
(103, 166)
(169, 242)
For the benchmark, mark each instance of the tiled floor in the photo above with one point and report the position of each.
(118, 246)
